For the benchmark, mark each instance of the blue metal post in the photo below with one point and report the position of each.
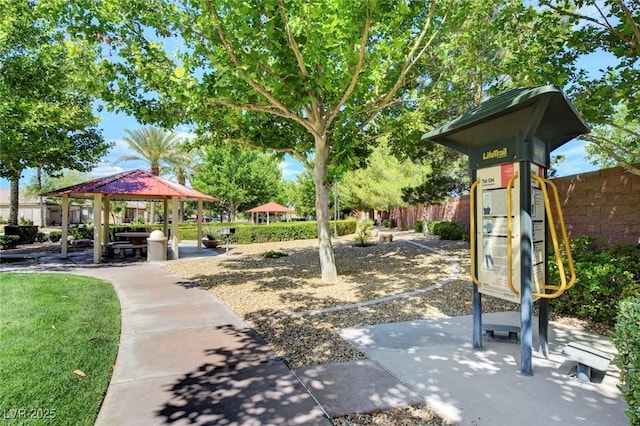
(526, 250)
(543, 318)
(477, 296)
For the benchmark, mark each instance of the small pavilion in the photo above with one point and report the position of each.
(269, 208)
(126, 186)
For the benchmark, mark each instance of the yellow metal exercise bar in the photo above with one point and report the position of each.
(557, 289)
(472, 226)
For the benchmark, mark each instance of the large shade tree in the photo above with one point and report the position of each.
(319, 73)
(321, 81)
(47, 119)
(240, 178)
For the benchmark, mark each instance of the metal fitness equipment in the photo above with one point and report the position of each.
(509, 140)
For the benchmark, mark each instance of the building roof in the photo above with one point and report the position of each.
(271, 207)
(131, 185)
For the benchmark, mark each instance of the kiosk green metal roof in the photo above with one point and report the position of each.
(520, 124)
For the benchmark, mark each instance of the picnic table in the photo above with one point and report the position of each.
(134, 240)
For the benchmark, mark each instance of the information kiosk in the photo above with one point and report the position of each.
(509, 140)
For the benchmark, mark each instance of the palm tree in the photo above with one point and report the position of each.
(154, 146)
(181, 166)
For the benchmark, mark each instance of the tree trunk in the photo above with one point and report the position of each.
(425, 218)
(43, 212)
(327, 259)
(13, 200)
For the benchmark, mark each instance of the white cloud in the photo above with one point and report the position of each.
(290, 168)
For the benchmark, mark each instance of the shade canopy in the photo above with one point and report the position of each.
(131, 185)
(271, 207)
(520, 124)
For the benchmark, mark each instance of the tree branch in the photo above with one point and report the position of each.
(384, 101)
(356, 71)
(296, 51)
(601, 143)
(284, 111)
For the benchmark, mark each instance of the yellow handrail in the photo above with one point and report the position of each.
(472, 231)
(558, 289)
(509, 236)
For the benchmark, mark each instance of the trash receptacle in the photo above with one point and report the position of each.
(156, 247)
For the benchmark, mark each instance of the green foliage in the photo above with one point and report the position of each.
(82, 232)
(275, 232)
(9, 241)
(607, 99)
(55, 236)
(431, 226)
(605, 276)
(240, 178)
(41, 237)
(301, 193)
(138, 220)
(271, 254)
(379, 185)
(447, 230)
(418, 226)
(283, 231)
(385, 223)
(26, 233)
(156, 147)
(363, 228)
(627, 340)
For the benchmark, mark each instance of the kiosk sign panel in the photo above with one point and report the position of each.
(492, 233)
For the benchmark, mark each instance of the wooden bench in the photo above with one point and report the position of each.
(587, 358)
(122, 246)
(490, 329)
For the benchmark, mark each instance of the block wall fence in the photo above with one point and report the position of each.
(604, 204)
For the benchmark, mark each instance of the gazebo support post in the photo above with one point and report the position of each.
(105, 218)
(174, 227)
(165, 217)
(97, 227)
(65, 227)
(199, 243)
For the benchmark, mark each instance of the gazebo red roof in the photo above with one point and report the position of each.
(133, 184)
(271, 207)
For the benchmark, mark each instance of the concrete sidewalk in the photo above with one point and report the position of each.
(185, 358)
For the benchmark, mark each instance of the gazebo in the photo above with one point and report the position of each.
(269, 208)
(130, 185)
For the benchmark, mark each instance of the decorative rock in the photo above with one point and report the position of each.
(385, 238)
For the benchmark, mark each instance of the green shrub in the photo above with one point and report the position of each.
(272, 254)
(26, 233)
(385, 223)
(363, 229)
(418, 226)
(9, 241)
(41, 237)
(605, 276)
(627, 340)
(431, 226)
(83, 233)
(448, 231)
(55, 236)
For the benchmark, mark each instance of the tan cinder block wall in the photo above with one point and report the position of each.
(604, 204)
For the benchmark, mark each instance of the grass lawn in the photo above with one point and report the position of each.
(59, 340)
